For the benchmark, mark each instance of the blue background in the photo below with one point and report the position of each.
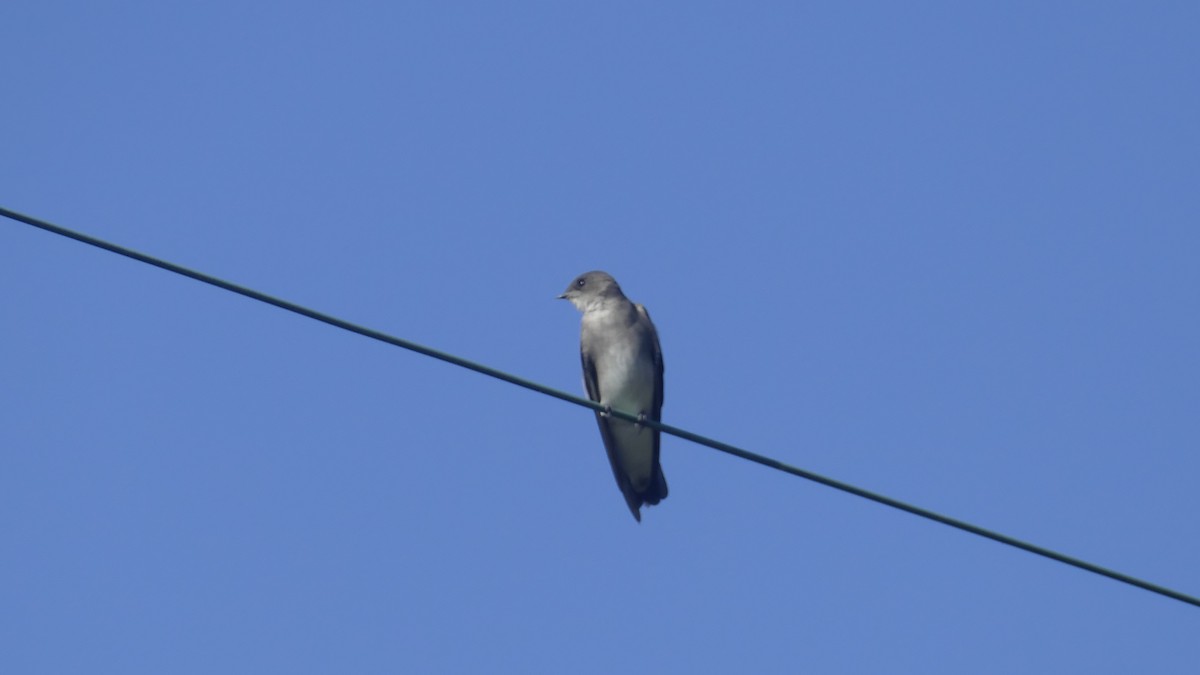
(945, 251)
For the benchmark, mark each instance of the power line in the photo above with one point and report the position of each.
(586, 403)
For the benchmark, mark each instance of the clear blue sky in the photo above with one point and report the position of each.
(945, 251)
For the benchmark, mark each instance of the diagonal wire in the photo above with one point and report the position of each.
(665, 428)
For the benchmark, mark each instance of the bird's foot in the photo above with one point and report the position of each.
(640, 421)
(607, 412)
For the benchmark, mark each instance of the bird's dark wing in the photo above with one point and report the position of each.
(656, 348)
(658, 487)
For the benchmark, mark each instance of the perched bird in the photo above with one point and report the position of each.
(622, 370)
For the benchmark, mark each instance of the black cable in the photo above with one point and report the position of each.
(665, 428)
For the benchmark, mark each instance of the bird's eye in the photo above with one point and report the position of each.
(579, 283)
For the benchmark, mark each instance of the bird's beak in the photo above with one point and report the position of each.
(562, 296)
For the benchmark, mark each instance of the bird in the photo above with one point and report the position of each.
(622, 370)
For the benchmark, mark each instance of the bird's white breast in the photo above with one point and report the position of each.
(625, 382)
(626, 378)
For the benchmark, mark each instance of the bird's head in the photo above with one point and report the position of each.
(590, 288)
